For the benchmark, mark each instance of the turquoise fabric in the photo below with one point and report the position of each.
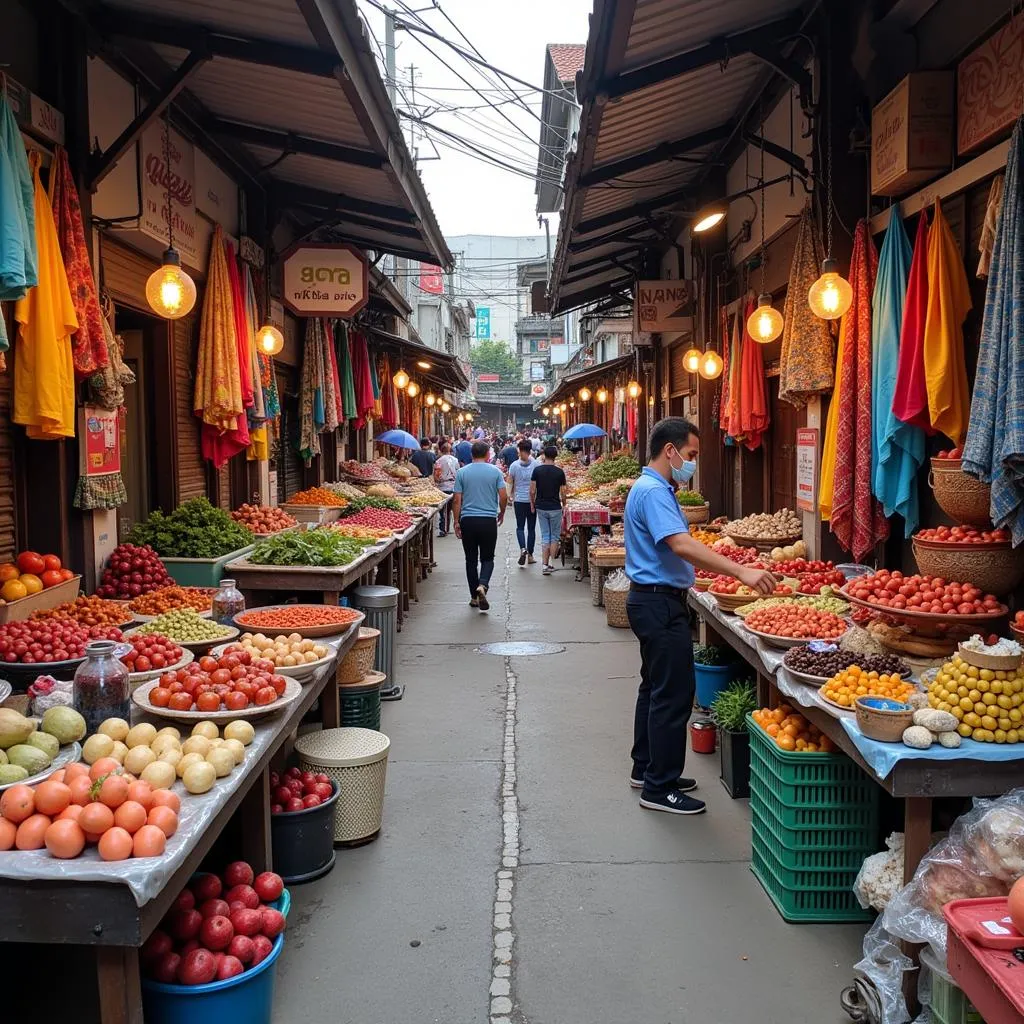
(897, 448)
(19, 264)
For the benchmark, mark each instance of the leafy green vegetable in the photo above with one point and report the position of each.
(730, 708)
(706, 654)
(194, 529)
(322, 546)
(369, 501)
(607, 470)
(690, 499)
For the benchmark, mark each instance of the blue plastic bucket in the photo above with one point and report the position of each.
(711, 680)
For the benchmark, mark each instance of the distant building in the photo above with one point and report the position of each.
(560, 119)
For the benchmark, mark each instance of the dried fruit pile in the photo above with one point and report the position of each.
(89, 611)
(318, 496)
(167, 599)
(828, 663)
(795, 620)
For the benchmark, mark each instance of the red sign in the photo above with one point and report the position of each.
(102, 442)
(431, 279)
(488, 378)
(988, 84)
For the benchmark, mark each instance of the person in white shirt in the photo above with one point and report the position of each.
(520, 473)
(445, 469)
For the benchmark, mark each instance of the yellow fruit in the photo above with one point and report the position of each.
(32, 584)
(958, 713)
(1000, 736)
(964, 729)
(973, 720)
(13, 590)
(1005, 724)
(1016, 715)
(975, 695)
(965, 704)
(988, 722)
(988, 699)
(1012, 736)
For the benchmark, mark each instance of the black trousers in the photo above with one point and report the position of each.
(667, 684)
(479, 538)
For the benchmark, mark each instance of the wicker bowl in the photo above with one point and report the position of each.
(730, 602)
(697, 513)
(996, 662)
(994, 568)
(359, 659)
(882, 719)
(961, 497)
(702, 584)
(759, 544)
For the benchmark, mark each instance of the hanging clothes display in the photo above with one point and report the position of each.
(44, 373)
(994, 450)
(847, 501)
(362, 380)
(910, 398)
(897, 451)
(949, 302)
(259, 442)
(990, 225)
(311, 398)
(334, 411)
(753, 397)
(732, 424)
(806, 365)
(389, 400)
(106, 387)
(348, 389)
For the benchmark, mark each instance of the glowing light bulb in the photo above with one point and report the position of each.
(445, 407)
(401, 380)
(269, 340)
(711, 364)
(169, 290)
(469, 417)
(563, 407)
(546, 410)
(602, 395)
(691, 360)
(633, 389)
(831, 295)
(431, 400)
(765, 323)
(413, 389)
(584, 394)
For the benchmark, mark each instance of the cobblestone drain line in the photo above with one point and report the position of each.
(502, 995)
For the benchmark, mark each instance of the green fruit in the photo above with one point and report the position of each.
(63, 722)
(11, 773)
(14, 728)
(32, 759)
(3, 757)
(46, 742)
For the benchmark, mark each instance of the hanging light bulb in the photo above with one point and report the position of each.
(461, 418)
(633, 389)
(169, 290)
(831, 295)
(602, 395)
(562, 407)
(584, 394)
(691, 360)
(765, 323)
(401, 380)
(445, 407)
(572, 404)
(269, 340)
(431, 400)
(413, 389)
(711, 364)
(423, 364)
(469, 417)
(708, 218)
(546, 410)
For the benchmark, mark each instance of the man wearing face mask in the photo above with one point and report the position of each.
(660, 560)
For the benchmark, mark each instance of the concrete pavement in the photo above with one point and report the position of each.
(516, 880)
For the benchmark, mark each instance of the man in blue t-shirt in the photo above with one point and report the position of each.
(479, 509)
(464, 450)
(660, 556)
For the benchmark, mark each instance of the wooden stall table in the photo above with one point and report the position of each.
(581, 521)
(106, 916)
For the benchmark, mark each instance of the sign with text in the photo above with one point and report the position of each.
(431, 279)
(483, 322)
(102, 441)
(325, 279)
(33, 114)
(664, 306)
(990, 87)
(488, 378)
(168, 190)
(806, 468)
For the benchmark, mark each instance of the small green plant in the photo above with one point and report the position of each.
(690, 499)
(730, 708)
(707, 654)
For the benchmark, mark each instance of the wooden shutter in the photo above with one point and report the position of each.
(678, 379)
(8, 516)
(191, 468)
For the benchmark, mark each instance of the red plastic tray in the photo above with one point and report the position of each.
(993, 979)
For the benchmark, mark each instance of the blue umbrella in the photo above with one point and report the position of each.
(581, 431)
(398, 438)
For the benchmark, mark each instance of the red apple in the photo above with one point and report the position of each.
(156, 947)
(247, 921)
(246, 893)
(311, 800)
(216, 932)
(295, 804)
(242, 946)
(197, 968)
(185, 924)
(324, 790)
(238, 873)
(273, 922)
(229, 967)
(281, 794)
(214, 908)
(187, 947)
(185, 900)
(206, 887)
(269, 885)
(166, 968)
(262, 947)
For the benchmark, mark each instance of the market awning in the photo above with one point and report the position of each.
(603, 372)
(424, 364)
(665, 89)
(289, 92)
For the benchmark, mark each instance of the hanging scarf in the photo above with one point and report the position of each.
(723, 330)
(348, 389)
(753, 410)
(332, 398)
(806, 364)
(389, 402)
(363, 379)
(257, 412)
(310, 392)
(106, 387)
(910, 399)
(19, 259)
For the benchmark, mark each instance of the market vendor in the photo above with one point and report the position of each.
(660, 560)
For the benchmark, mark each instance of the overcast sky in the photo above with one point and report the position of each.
(470, 196)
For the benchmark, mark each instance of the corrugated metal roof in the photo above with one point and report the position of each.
(329, 176)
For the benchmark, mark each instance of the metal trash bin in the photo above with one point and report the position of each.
(357, 759)
(380, 605)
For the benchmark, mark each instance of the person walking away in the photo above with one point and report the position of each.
(479, 509)
(445, 469)
(536, 444)
(520, 476)
(660, 560)
(424, 459)
(464, 449)
(509, 454)
(547, 499)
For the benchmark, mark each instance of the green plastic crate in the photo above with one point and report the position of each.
(201, 572)
(811, 839)
(823, 792)
(841, 856)
(949, 1004)
(360, 706)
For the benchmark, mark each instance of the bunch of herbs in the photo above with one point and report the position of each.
(195, 529)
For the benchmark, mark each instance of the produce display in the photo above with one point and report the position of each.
(963, 535)
(132, 570)
(151, 652)
(781, 525)
(690, 499)
(828, 663)
(318, 496)
(89, 611)
(231, 682)
(322, 546)
(799, 566)
(27, 749)
(263, 519)
(736, 552)
(794, 620)
(381, 491)
(791, 731)
(798, 549)
(381, 518)
(610, 468)
(218, 928)
(930, 594)
(425, 496)
(170, 598)
(584, 505)
(820, 582)
(953, 454)
(183, 625)
(284, 651)
(297, 616)
(822, 603)
(365, 502)
(297, 790)
(728, 585)
(367, 533)
(35, 642)
(847, 685)
(195, 529)
(349, 491)
(31, 573)
(368, 471)
(986, 703)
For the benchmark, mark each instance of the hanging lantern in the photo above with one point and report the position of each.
(711, 364)
(765, 323)
(691, 360)
(413, 389)
(572, 403)
(633, 389)
(584, 394)
(602, 395)
(169, 290)
(831, 295)
(401, 380)
(431, 400)
(269, 340)
(445, 407)
(562, 407)
(469, 417)
(461, 418)
(546, 410)
(423, 364)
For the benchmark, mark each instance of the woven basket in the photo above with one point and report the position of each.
(697, 513)
(615, 608)
(961, 497)
(994, 568)
(359, 659)
(596, 585)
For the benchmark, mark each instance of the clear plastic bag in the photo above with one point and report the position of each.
(883, 966)
(881, 875)
(617, 581)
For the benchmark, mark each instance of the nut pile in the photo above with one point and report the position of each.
(781, 525)
(828, 663)
(283, 651)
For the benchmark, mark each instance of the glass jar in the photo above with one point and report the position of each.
(227, 603)
(102, 689)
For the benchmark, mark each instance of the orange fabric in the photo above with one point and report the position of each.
(753, 397)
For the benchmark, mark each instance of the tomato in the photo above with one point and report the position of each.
(180, 702)
(207, 664)
(246, 687)
(31, 562)
(279, 683)
(51, 577)
(221, 675)
(208, 702)
(265, 695)
(51, 563)
(160, 696)
(236, 701)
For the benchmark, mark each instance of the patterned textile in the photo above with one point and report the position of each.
(106, 388)
(990, 226)
(88, 344)
(855, 516)
(910, 399)
(94, 492)
(310, 393)
(273, 401)
(994, 450)
(348, 388)
(753, 396)
(364, 384)
(333, 414)
(808, 351)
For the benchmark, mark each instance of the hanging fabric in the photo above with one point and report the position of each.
(348, 391)
(994, 450)
(106, 387)
(990, 225)
(949, 302)
(723, 331)
(897, 451)
(389, 400)
(259, 441)
(333, 411)
(735, 377)
(44, 373)
(855, 516)
(311, 409)
(753, 404)
(806, 366)
(910, 399)
(362, 380)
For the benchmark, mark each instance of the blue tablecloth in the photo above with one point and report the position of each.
(882, 757)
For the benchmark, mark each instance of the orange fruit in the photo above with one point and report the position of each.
(786, 742)
(8, 571)
(13, 590)
(32, 583)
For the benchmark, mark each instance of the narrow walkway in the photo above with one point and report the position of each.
(516, 880)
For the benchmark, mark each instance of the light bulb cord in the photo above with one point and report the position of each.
(167, 182)
(828, 135)
(764, 254)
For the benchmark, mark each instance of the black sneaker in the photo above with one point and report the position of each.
(481, 596)
(672, 802)
(522, 557)
(684, 785)
(474, 602)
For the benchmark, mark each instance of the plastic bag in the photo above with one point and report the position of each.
(881, 875)
(617, 581)
(883, 966)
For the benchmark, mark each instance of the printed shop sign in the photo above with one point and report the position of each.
(806, 467)
(173, 182)
(102, 441)
(663, 306)
(325, 279)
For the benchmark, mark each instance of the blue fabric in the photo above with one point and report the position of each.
(882, 757)
(479, 483)
(464, 452)
(653, 514)
(521, 476)
(994, 449)
(19, 269)
(897, 448)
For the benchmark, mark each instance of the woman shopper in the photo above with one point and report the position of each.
(479, 509)
(547, 499)
(445, 469)
(520, 475)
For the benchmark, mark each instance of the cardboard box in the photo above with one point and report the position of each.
(912, 133)
(990, 88)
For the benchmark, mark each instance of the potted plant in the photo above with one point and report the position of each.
(713, 667)
(729, 712)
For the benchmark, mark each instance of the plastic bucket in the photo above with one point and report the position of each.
(303, 841)
(711, 680)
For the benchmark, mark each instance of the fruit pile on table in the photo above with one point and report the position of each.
(31, 573)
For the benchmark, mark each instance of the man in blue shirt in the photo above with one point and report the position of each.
(509, 454)
(660, 560)
(464, 450)
(479, 509)
(520, 473)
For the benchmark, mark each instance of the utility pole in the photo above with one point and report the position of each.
(412, 124)
(389, 52)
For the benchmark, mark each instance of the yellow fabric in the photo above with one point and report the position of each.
(218, 391)
(44, 372)
(259, 446)
(826, 484)
(949, 301)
